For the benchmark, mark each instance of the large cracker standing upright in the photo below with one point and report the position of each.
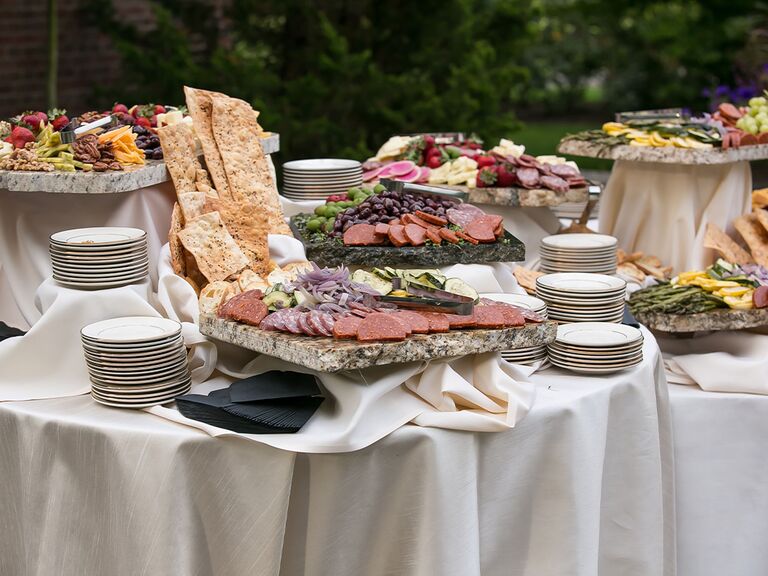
(178, 142)
(200, 106)
(236, 129)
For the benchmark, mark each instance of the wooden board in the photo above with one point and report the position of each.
(665, 155)
(131, 178)
(331, 355)
(714, 321)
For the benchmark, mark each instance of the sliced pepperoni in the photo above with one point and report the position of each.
(434, 235)
(481, 230)
(416, 234)
(448, 235)
(346, 327)
(431, 218)
(460, 320)
(382, 228)
(405, 219)
(499, 230)
(414, 219)
(397, 235)
(246, 307)
(418, 323)
(380, 326)
(438, 322)
(362, 235)
(466, 237)
(489, 317)
(512, 316)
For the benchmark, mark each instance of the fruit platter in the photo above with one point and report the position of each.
(505, 174)
(329, 319)
(391, 227)
(730, 134)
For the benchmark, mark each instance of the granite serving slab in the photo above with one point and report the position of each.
(327, 251)
(664, 155)
(714, 321)
(332, 355)
(131, 178)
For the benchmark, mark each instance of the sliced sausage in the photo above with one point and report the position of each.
(555, 183)
(760, 297)
(482, 229)
(246, 307)
(416, 234)
(380, 326)
(434, 235)
(346, 327)
(513, 316)
(460, 320)
(418, 323)
(499, 230)
(762, 138)
(448, 235)
(397, 235)
(529, 177)
(489, 317)
(362, 235)
(431, 218)
(382, 228)
(438, 322)
(466, 237)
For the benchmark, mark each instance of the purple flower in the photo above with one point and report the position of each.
(722, 90)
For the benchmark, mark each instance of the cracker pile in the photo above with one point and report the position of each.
(753, 229)
(225, 209)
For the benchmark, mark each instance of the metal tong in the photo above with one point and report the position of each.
(73, 131)
(400, 186)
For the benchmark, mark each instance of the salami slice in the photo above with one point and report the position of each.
(403, 321)
(431, 218)
(555, 183)
(527, 161)
(382, 228)
(246, 307)
(512, 316)
(499, 230)
(305, 326)
(346, 327)
(380, 326)
(438, 322)
(362, 235)
(328, 322)
(482, 229)
(268, 323)
(564, 170)
(418, 323)
(433, 235)
(291, 322)
(448, 235)
(416, 234)
(463, 217)
(489, 317)
(314, 322)
(397, 235)
(529, 177)
(460, 320)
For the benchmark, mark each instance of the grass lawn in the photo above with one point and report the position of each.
(543, 137)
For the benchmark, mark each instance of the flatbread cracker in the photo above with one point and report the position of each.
(632, 271)
(727, 247)
(235, 131)
(192, 204)
(174, 242)
(755, 236)
(762, 217)
(239, 218)
(180, 157)
(216, 252)
(527, 278)
(200, 106)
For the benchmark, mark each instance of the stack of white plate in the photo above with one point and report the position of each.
(319, 178)
(578, 253)
(136, 362)
(578, 297)
(530, 354)
(596, 347)
(94, 258)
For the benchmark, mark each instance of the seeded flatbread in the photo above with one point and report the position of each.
(727, 247)
(755, 236)
(192, 204)
(235, 131)
(526, 278)
(177, 249)
(200, 106)
(239, 218)
(178, 144)
(216, 252)
(762, 217)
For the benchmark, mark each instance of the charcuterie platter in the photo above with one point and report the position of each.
(713, 321)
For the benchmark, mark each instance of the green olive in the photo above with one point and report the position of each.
(379, 188)
(320, 210)
(314, 225)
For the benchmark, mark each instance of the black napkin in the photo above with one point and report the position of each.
(270, 403)
(9, 332)
(629, 319)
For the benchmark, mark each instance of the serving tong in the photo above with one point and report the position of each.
(428, 299)
(661, 114)
(74, 131)
(402, 187)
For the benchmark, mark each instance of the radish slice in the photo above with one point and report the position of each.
(397, 169)
(372, 174)
(412, 176)
(424, 176)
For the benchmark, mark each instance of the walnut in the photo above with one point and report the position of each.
(100, 167)
(90, 117)
(115, 165)
(25, 159)
(86, 149)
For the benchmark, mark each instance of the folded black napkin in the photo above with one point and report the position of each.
(270, 403)
(9, 332)
(629, 319)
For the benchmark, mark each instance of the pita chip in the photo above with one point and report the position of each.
(726, 246)
(249, 177)
(217, 254)
(174, 242)
(192, 204)
(200, 106)
(755, 236)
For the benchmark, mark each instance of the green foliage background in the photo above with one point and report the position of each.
(338, 77)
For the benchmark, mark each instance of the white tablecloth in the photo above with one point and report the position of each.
(581, 487)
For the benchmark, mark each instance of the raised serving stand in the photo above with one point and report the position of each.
(521, 197)
(664, 155)
(132, 178)
(715, 321)
(332, 355)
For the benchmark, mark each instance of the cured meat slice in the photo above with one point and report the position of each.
(346, 327)
(382, 228)
(362, 235)
(431, 218)
(448, 235)
(512, 316)
(563, 170)
(328, 323)
(460, 320)
(531, 316)
(529, 177)
(462, 217)
(404, 322)
(246, 307)
(291, 322)
(489, 317)
(416, 234)
(464, 207)
(482, 229)
(499, 230)
(414, 219)
(317, 326)
(380, 326)
(395, 222)
(555, 183)
(527, 161)
(304, 325)
(748, 139)
(466, 237)
(438, 322)
(434, 236)
(268, 323)
(397, 235)
(762, 138)
(418, 323)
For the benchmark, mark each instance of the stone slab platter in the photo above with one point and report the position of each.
(666, 155)
(331, 355)
(331, 252)
(133, 178)
(714, 321)
(522, 197)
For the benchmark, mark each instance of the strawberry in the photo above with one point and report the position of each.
(506, 177)
(486, 177)
(33, 119)
(429, 142)
(119, 108)
(484, 160)
(20, 136)
(141, 121)
(435, 161)
(60, 122)
(433, 152)
(153, 121)
(159, 109)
